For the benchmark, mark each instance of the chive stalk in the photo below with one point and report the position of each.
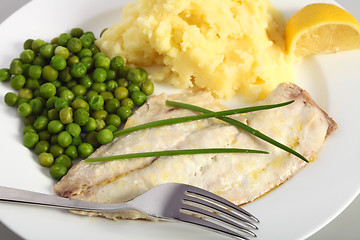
(208, 114)
(174, 153)
(239, 125)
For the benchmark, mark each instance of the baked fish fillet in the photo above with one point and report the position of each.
(238, 177)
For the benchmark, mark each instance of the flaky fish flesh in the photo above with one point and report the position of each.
(238, 177)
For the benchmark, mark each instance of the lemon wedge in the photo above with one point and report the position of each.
(321, 28)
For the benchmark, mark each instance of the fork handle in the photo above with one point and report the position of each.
(14, 195)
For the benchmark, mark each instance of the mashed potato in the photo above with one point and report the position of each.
(226, 46)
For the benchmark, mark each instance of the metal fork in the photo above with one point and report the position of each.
(170, 201)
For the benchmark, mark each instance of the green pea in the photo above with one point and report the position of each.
(99, 54)
(44, 135)
(124, 112)
(117, 63)
(76, 32)
(29, 120)
(17, 82)
(102, 62)
(22, 100)
(100, 124)
(27, 44)
(105, 136)
(77, 141)
(74, 129)
(62, 51)
(53, 141)
(56, 150)
(32, 84)
(79, 90)
(122, 82)
(78, 70)
(41, 147)
(54, 40)
(41, 123)
(127, 102)
(74, 45)
(58, 62)
(99, 87)
(71, 151)
(121, 93)
(107, 95)
(110, 74)
(72, 60)
(25, 93)
(27, 56)
(46, 159)
(100, 114)
(86, 40)
(114, 120)
(61, 103)
(28, 128)
(4, 74)
(111, 85)
(133, 88)
(81, 116)
(91, 138)
(30, 139)
(80, 103)
(147, 87)
(65, 160)
(24, 109)
(39, 60)
(123, 71)
(136, 75)
(49, 73)
(50, 102)
(53, 114)
(86, 81)
(64, 139)
(47, 51)
(94, 49)
(90, 94)
(90, 125)
(85, 52)
(96, 102)
(71, 84)
(99, 75)
(88, 62)
(112, 128)
(57, 171)
(66, 115)
(36, 106)
(47, 90)
(112, 105)
(64, 75)
(85, 149)
(63, 39)
(35, 71)
(16, 67)
(67, 94)
(139, 98)
(37, 44)
(10, 98)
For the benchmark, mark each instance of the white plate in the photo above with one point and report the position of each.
(295, 210)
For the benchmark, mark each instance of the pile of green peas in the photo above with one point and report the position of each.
(71, 96)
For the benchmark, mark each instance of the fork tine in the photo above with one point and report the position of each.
(186, 218)
(199, 211)
(219, 209)
(198, 192)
